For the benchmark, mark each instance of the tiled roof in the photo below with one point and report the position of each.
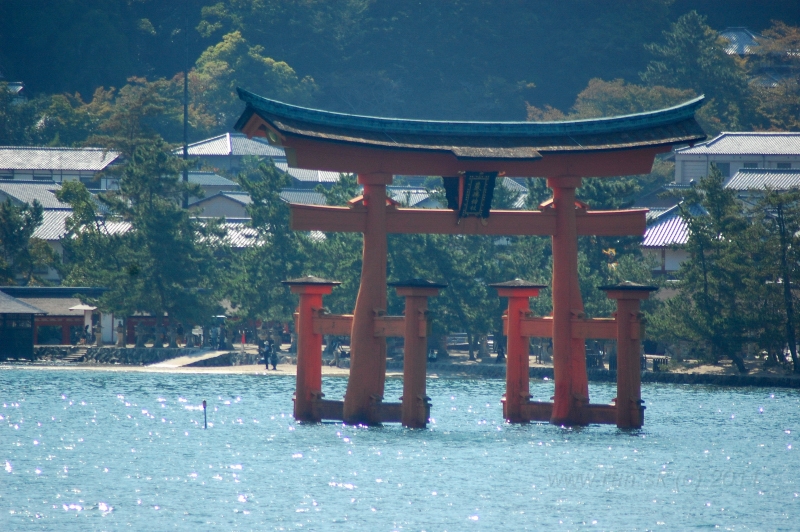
(240, 235)
(27, 191)
(655, 212)
(238, 196)
(55, 306)
(302, 196)
(209, 179)
(748, 143)
(52, 227)
(669, 229)
(741, 41)
(408, 196)
(483, 140)
(509, 184)
(116, 227)
(310, 176)
(36, 158)
(11, 305)
(762, 178)
(236, 144)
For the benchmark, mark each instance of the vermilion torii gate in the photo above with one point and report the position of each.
(377, 148)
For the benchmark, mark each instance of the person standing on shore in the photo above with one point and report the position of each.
(273, 355)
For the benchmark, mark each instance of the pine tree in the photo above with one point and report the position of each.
(720, 284)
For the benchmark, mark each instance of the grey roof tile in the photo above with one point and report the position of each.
(510, 184)
(55, 306)
(747, 143)
(302, 196)
(741, 41)
(669, 229)
(232, 144)
(240, 235)
(12, 305)
(39, 158)
(27, 191)
(309, 176)
(762, 178)
(53, 225)
(238, 196)
(210, 179)
(408, 196)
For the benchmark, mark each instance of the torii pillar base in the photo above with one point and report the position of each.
(416, 406)
(308, 390)
(516, 402)
(630, 411)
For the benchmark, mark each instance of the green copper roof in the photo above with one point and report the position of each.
(481, 139)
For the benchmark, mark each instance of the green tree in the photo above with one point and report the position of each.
(151, 254)
(278, 254)
(21, 255)
(778, 101)
(233, 63)
(17, 119)
(778, 214)
(721, 283)
(692, 56)
(337, 256)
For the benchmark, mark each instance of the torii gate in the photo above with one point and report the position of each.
(377, 148)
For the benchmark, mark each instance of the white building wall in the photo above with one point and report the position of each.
(674, 258)
(221, 206)
(666, 259)
(694, 167)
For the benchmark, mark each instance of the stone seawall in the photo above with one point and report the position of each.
(133, 356)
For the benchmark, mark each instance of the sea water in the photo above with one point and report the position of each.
(95, 450)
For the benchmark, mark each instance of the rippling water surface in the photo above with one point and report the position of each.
(104, 450)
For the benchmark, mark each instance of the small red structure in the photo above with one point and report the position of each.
(626, 328)
(311, 322)
(469, 156)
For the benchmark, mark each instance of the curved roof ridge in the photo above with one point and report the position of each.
(403, 125)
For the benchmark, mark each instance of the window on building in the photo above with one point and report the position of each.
(750, 165)
(91, 183)
(724, 168)
(784, 166)
(42, 175)
(6, 175)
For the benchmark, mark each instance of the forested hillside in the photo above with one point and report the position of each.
(474, 59)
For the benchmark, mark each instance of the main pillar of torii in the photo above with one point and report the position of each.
(469, 152)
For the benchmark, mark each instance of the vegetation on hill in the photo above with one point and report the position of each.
(106, 73)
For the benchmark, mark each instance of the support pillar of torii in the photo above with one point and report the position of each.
(376, 148)
(563, 218)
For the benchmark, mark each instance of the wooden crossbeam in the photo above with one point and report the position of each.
(342, 325)
(390, 326)
(596, 328)
(447, 222)
(335, 324)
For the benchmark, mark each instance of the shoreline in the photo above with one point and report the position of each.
(394, 369)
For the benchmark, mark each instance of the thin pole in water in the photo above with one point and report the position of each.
(205, 419)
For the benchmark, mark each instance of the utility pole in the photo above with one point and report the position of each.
(186, 104)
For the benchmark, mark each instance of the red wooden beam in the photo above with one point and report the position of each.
(447, 222)
(611, 223)
(336, 324)
(537, 327)
(597, 328)
(322, 154)
(329, 219)
(390, 326)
